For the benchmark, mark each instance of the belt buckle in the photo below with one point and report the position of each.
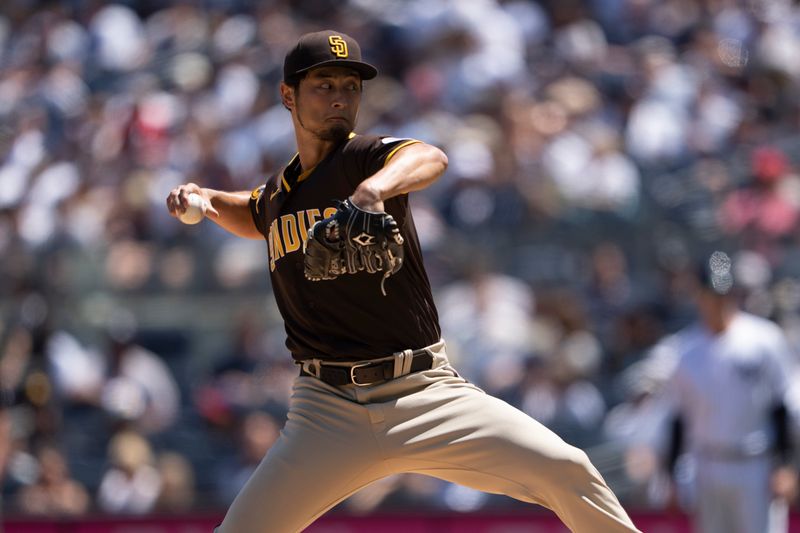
(353, 374)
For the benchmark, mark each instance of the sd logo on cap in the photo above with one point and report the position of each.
(326, 48)
(338, 46)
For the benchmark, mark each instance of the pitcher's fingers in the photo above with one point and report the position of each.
(175, 205)
(183, 196)
(171, 203)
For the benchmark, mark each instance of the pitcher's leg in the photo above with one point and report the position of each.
(325, 452)
(466, 436)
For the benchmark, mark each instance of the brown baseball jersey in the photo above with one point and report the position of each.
(346, 318)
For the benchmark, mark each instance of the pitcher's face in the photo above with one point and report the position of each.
(326, 102)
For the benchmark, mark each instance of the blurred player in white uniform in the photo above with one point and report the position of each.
(727, 394)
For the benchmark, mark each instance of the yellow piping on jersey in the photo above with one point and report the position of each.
(256, 195)
(402, 145)
(285, 183)
(303, 175)
(283, 178)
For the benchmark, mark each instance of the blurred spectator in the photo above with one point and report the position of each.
(140, 387)
(765, 209)
(633, 333)
(132, 484)
(54, 493)
(78, 372)
(610, 291)
(486, 321)
(258, 431)
(177, 483)
(584, 160)
(658, 127)
(252, 373)
(555, 385)
(556, 394)
(99, 393)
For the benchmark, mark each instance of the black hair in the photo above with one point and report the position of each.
(294, 83)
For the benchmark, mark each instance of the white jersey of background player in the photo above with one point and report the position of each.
(728, 393)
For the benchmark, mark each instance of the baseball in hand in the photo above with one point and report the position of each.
(195, 211)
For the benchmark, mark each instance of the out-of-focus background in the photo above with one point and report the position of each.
(597, 148)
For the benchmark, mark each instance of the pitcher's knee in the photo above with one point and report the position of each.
(573, 468)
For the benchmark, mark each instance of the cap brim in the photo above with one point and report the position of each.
(366, 70)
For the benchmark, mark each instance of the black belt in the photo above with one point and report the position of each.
(367, 372)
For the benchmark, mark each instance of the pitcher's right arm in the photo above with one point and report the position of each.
(229, 210)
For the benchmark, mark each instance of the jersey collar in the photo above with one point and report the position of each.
(295, 173)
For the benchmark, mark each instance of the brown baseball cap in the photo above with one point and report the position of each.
(326, 48)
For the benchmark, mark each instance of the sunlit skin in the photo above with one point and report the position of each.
(324, 109)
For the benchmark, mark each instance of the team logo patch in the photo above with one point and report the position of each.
(748, 370)
(364, 239)
(338, 46)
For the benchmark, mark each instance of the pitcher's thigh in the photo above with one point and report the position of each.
(479, 436)
(468, 437)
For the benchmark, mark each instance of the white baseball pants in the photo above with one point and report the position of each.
(735, 497)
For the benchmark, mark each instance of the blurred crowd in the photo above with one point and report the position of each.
(597, 148)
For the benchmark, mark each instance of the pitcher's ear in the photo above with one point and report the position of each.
(287, 96)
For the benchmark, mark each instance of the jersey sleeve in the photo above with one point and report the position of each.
(668, 417)
(258, 209)
(780, 364)
(369, 153)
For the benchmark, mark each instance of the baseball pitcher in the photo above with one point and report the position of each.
(375, 394)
